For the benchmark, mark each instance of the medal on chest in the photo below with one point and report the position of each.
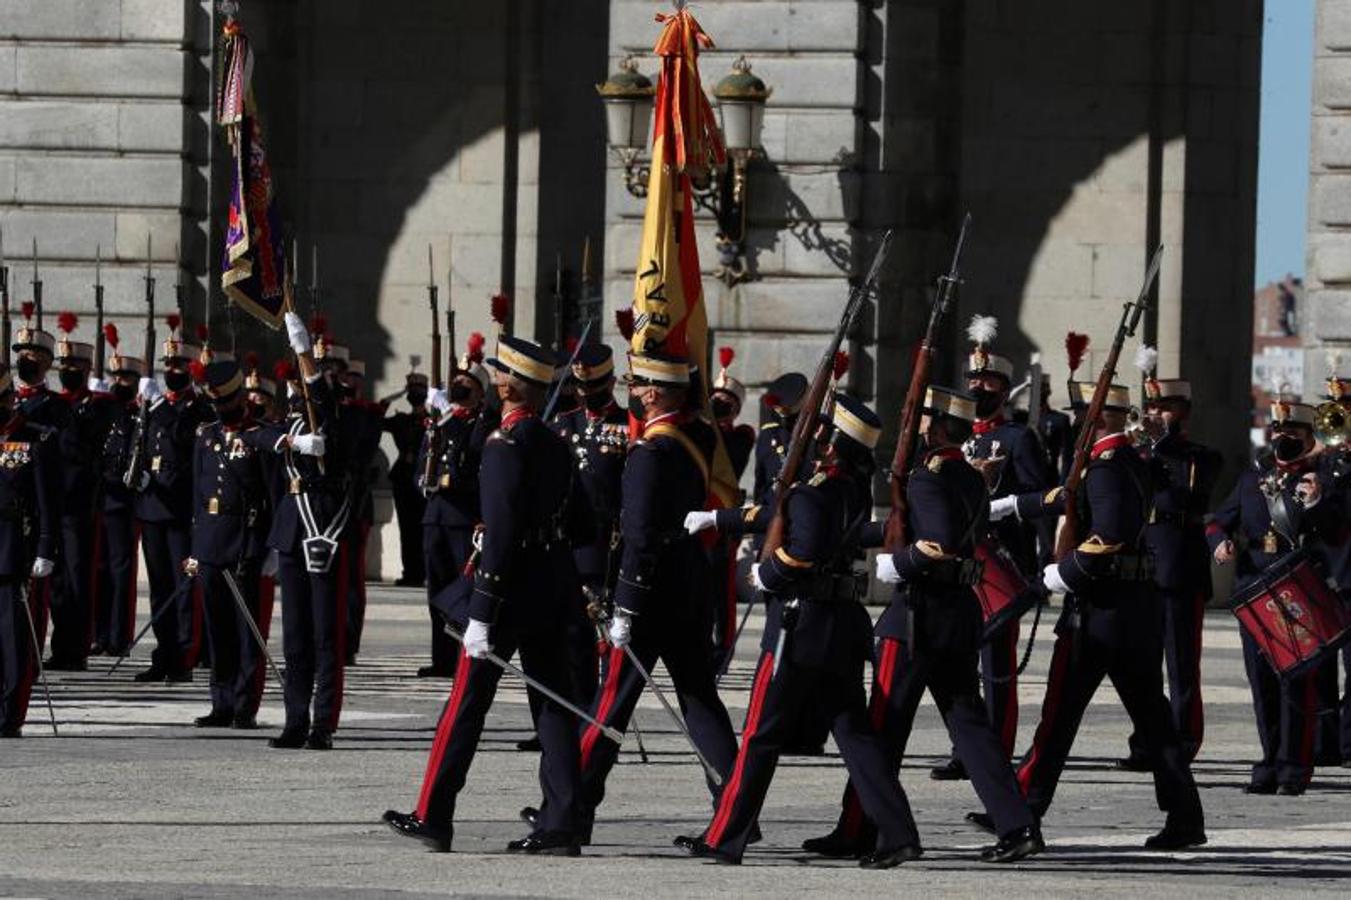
(14, 454)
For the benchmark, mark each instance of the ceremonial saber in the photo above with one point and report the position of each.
(253, 626)
(736, 638)
(558, 388)
(611, 733)
(675, 717)
(42, 671)
(633, 719)
(154, 617)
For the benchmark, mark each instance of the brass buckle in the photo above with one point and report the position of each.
(155, 463)
(213, 506)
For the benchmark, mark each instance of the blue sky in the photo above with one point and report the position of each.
(1283, 153)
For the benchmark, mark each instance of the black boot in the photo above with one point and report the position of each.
(546, 843)
(320, 739)
(837, 845)
(410, 826)
(890, 859)
(1014, 846)
(151, 675)
(1177, 837)
(697, 848)
(218, 718)
(289, 739)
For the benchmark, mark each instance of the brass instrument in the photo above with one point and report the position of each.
(1332, 426)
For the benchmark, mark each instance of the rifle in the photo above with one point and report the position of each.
(314, 275)
(37, 289)
(450, 324)
(1068, 538)
(136, 463)
(432, 301)
(805, 426)
(559, 302)
(1034, 395)
(908, 437)
(178, 291)
(289, 305)
(100, 342)
(6, 327)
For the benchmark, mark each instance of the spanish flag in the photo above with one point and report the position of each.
(668, 296)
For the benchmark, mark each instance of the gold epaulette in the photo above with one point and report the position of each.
(1052, 496)
(1096, 546)
(749, 513)
(818, 479)
(791, 561)
(933, 550)
(769, 425)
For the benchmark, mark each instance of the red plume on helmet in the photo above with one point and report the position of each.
(197, 370)
(840, 364)
(27, 309)
(67, 322)
(1075, 345)
(474, 348)
(251, 361)
(624, 321)
(282, 371)
(203, 333)
(110, 334)
(725, 356)
(499, 308)
(173, 320)
(570, 345)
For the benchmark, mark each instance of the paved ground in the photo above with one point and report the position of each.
(128, 802)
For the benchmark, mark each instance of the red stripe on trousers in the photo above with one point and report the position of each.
(36, 612)
(129, 620)
(1196, 719)
(1310, 726)
(884, 677)
(607, 702)
(340, 633)
(443, 732)
(96, 598)
(727, 801)
(1055, 683)
(194, 649)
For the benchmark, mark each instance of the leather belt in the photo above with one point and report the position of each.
(955, 572)
(1132, 567)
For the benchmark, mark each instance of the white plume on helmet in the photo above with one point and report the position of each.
(1147, 360)
(982, 330)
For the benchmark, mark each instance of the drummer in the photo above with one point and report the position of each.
(1278, 506)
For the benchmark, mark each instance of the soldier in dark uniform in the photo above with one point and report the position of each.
(447, 468)
(229, 533)
(29, 531)
(1279, 504)
(1336, 556)
(818, 634)
(164, 509)
(726, 400)
(119, 545)
(362, 428)
(1185, 474)
(929, 637)
(1012, 461)
(524, 584)
(1057, 435)
(783, 397)
(1110, 626)
(307, 523)
(407, 428)
(79, 445)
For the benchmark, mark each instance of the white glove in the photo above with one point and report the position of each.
(98, 385)
(145, 481)
(1050, 576)
(698, 520)
(42, 567)
(476, 640)
(886, 569)
(150, 390)
(297, 333)
(439, 400)
(755, 578)
(620, 627)
(308, 444)
(191, 567)
(1003, 508)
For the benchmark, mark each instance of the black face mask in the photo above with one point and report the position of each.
(29, 370)
(72, 379)
(598, 402)
(260, 410)
(344, 392)
(460, 393)
(177, 381)
(636, 407)
(417, 398)
(987, 402)
(232, 416)
(723, 409)
(295, 404)
(124, 393)
(1288, 448)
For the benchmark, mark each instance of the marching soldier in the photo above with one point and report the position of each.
(726, 399)
(1337, 557)
(1110, 627)
(307, 524)
(1057, 434)
(1279, 505)
(817, 634)
(362, 429)
(407, 429)
(448, 476)
(119, 547)
(164, 508)
(783, 398)
(79, 444)
(929, 637)
(1185, 473)
(29, 531)
(524, 585)
(229, 534)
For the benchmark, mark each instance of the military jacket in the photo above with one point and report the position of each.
(171, 428)
(231, 493)
(1184, 475)
(451, 483)
(29, 496)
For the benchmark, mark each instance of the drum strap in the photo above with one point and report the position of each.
(1280, 516)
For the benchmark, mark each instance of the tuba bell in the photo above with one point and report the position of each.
(1331, 425)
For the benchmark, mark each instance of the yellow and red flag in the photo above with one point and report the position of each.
(668, 296)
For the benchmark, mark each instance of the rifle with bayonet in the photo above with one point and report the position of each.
(1069, 536)
(37, 289)
(6, 327)
(450, 324)
(136, 461)
(911, 412)
(434, 303)
(560, 317)
(817, 396)
(100, 342)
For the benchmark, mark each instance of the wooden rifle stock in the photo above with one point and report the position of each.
(805, 427)
(907, 438)
(1068, 538)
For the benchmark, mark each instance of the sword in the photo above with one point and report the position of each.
(37, 648)
(675, 717)
(558, 388)
(173, 599)
(253, 626)
(611, 733)
(736, 638)
(633, 719)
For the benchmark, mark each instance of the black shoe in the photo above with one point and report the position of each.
(1014, 846)
(434, 672)
(529, 745)
(151, 675)
(351, 659)
(289, 739)
(686, 842)
(244, 722)
(701, 850)
(11, 731)
(890, 859)
(836, 845)
(952, 770)
(57, 664)
(409, 582)
(319, 739)
(217, 719)
(410, 826)
(1290, 790)
(181, 676)
(546, 843)
(530, 816)
(981, 820)
(1175, 837)
(1134, 763)
(1260, 787)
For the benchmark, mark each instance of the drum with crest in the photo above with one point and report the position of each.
(1296, 619)
(1003, 591)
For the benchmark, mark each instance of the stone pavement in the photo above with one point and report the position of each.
(131, 801)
